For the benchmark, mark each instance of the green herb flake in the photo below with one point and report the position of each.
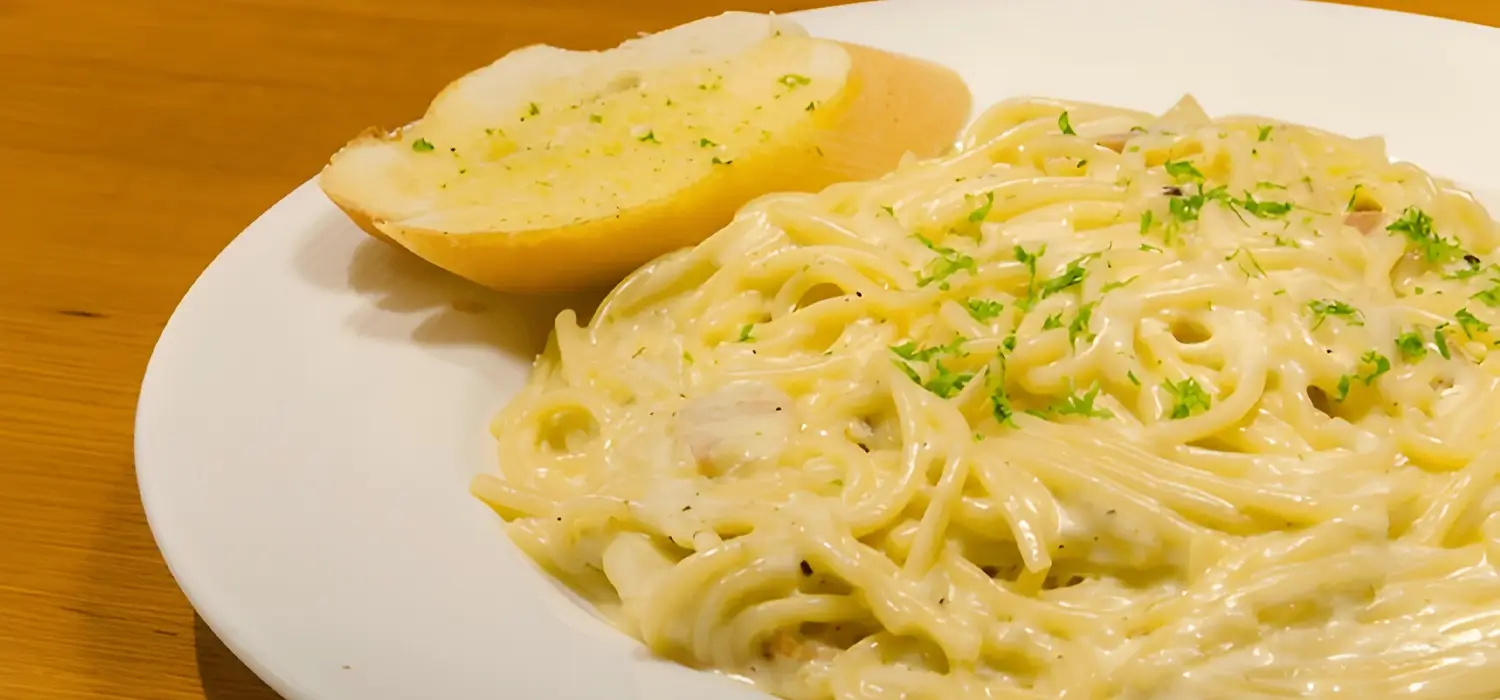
(1074, 274)
(983, 211)
(1324, 308)
(1053, 321)
(1264, 210)
(1189, 398)
(1118, 284)
(943, 382)
(1470, 324)
(1255, 269)
(983, 309)
(1269, 186)
(1411, 346)
(720, 161)
(1146, 217)
(1081, 405)
(1064, 125)
(1029, 260)
(888, 209)
(1489, 297)
(1440, 339)
(1079, 326)
(912, 352)
(1148, 248)
(705, 143)
(1131, 376)
(533, 109)
(422, 145)
(1473, 267)
(946, 383)
(1265, 133)
(1378, 364)
(650, 137)
(1343, 388)
(949, 263)
(793, 80)
(1000, 406)
(747, 333)
(1416, 225)
(1183, 171)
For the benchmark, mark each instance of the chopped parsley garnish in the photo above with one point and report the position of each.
(1064, 125)
(747, 333)
(1491, 296)
(1353, 197)
(1343, 386)
(705, 143)
(1323, 308)
(1269, 186)
(946, 383)
(1378, 365)
(983, 309)
(720, 161)
(1117, 284)
(1148, 248)
(650, 137)
(1189, 398)
(910, 351)
(888, 209)
(1000, 405)
(1440, 339)
(1183, 171)
(943, 381)
(1185, 209)
(983, 211)
(533, 109)
(1411, 346)
(792, 80)
(1029, 260)
(1131, 376)
(949, 263)
(596, 118)
(1470, 324)
(421, 145)
(1080, 405)
(1080, 324)
(1416, 225)
(811, 106)
(1146, 217)
(1053, 321)
(1009, 344)
(1075, 273)
(1255, 269)
(1264, 210)
(1265, 133)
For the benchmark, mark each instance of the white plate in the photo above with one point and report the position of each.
(313, 412)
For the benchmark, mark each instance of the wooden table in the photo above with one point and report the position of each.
(137, 137)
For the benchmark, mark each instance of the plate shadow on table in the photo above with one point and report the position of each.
(223, 676)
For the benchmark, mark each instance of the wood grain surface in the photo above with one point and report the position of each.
(137, 137)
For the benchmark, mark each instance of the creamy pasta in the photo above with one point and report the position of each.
(1101, 405)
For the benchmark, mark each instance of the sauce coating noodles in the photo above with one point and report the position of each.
(1102, 405)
